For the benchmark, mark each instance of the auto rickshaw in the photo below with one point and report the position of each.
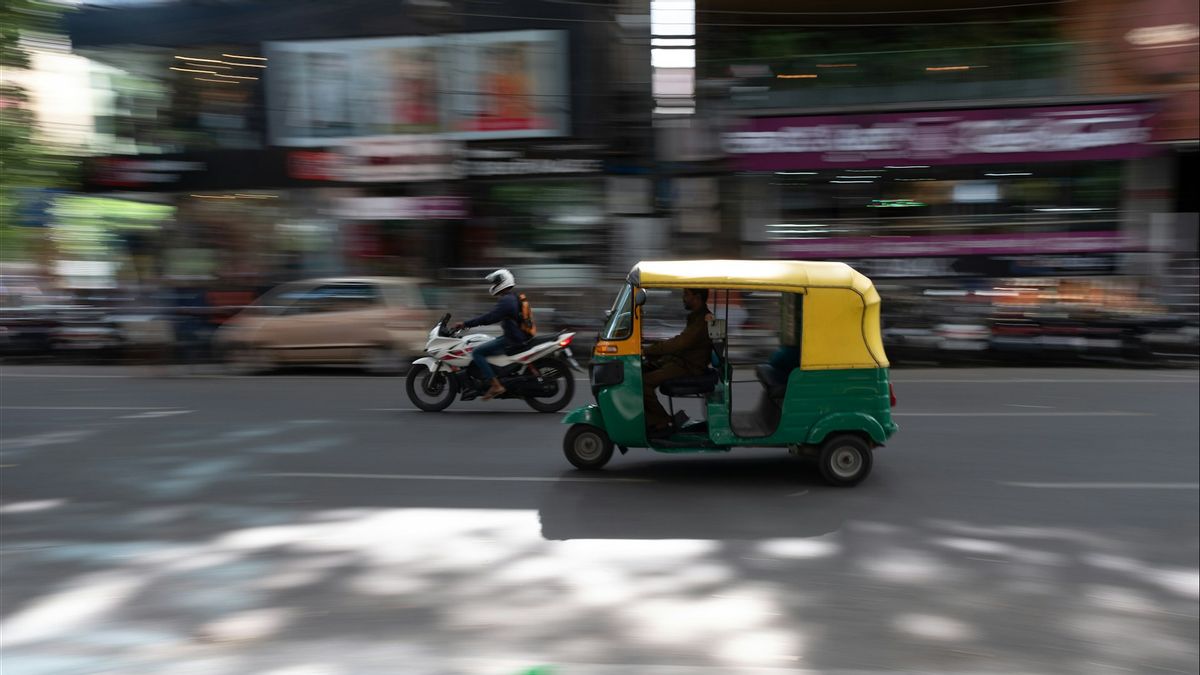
(834, 406)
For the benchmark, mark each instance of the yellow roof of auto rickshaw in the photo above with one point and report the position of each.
(787, 276)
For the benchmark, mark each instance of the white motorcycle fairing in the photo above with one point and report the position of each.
(455, 352)
(538, 371)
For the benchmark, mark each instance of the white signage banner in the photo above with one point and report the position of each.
(400, 208)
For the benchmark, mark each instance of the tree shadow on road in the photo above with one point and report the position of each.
(720, 562)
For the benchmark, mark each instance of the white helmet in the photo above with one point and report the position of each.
(501, 280)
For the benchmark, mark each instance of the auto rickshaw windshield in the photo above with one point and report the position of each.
(620, 318)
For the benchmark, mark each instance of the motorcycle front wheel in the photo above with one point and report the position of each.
(431, 392)
(554, 371)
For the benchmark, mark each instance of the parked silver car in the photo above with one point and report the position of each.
(377, 322)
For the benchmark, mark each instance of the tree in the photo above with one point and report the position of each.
(27, 162)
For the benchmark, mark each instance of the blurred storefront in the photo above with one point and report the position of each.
(237, 213)
(540, 203)
(390, 139)
(1038, 145)
(956, 192)
(1152, 48)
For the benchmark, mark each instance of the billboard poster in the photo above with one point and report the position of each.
(483, 86)
(507, 85)
(323, 92)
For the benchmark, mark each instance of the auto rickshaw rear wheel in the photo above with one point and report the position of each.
(587, 447)
(845, 460)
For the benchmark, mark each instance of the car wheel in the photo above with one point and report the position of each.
(845, 460)
(587, 447)
(247, 360)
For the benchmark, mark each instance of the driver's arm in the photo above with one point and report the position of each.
(690, 337)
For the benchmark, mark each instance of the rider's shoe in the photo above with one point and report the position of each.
(496, 390)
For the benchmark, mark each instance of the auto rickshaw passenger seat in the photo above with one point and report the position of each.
(690, 385)
(773, 380)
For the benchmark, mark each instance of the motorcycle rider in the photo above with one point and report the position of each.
(507, 313)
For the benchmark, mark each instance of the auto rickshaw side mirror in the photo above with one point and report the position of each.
(640, 298)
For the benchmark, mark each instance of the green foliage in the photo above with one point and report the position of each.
(88, 227)
(25, 160)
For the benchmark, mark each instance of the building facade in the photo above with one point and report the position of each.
(961, 147)
(368, 136)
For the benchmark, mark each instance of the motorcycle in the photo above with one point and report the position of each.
(538, 371)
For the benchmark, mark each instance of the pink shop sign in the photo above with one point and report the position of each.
(1002, 135)
(958, 245)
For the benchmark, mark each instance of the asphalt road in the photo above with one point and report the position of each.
(1022, 521)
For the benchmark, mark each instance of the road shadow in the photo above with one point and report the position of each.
(700, 497)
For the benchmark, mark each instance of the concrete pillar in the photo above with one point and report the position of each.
(759, 207)
(1146, 207)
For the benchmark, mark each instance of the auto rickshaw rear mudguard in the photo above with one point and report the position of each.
(847, 422)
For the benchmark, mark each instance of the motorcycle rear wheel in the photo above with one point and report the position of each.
(556, 370)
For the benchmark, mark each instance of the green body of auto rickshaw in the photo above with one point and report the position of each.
(834, 405)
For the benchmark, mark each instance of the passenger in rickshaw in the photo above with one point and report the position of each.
(785, 359)
(775, 372)
(685, 354)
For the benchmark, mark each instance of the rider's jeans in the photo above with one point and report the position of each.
(490, 348)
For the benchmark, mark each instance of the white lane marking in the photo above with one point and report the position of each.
(1105, 486)
(501, 479)
(457, 412)
(197, 376)
(66, 376)
(1113, 413)
(1171, 380)
(155, 413)
(799, 494)
(1023, 405)
(84, 407)
(44, 439)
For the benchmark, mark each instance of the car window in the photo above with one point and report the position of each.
(291, 300)
(348, 297)
(337, 297)
(17, 293)
(354, 295)
(404, 296)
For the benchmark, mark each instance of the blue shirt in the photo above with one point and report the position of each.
(507, 313)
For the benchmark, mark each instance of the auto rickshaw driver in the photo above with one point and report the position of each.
(685, 354)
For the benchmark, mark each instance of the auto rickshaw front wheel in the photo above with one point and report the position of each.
(587, 447)
(845, 460)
